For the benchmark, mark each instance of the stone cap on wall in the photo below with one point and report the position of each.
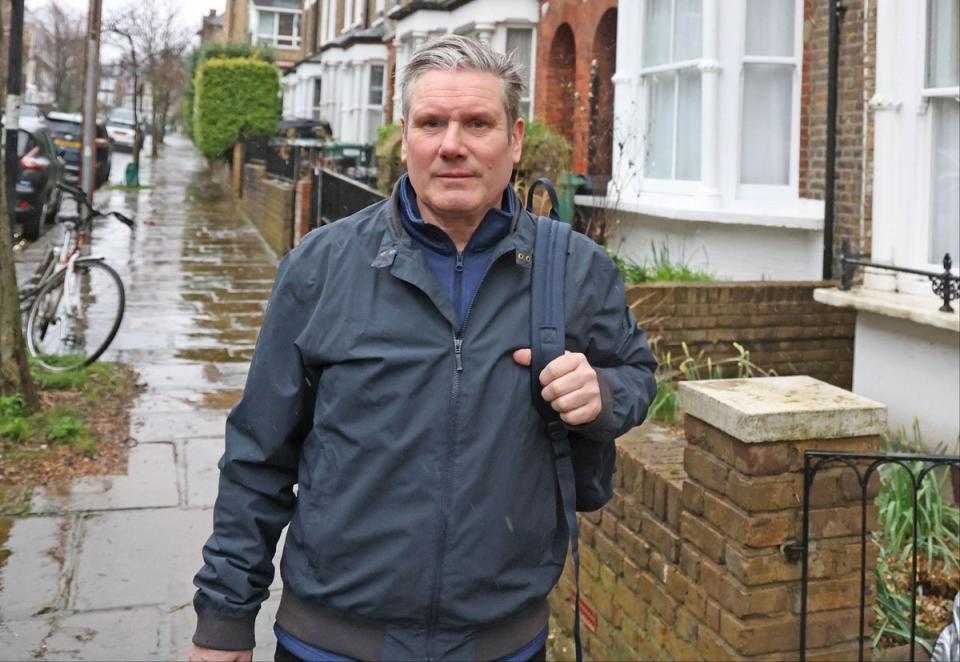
(796, 408)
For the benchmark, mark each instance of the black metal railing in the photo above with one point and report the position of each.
(945, 285)
(256, 148)
(813, 462)
(337, 196)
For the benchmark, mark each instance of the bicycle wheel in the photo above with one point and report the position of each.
(73, 320)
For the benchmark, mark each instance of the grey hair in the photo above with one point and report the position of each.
(452, 52)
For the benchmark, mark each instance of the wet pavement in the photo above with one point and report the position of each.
(101, 568)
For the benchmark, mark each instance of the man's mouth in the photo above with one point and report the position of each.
(455, 175)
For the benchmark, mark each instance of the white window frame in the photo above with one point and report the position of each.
(532, 74)
(272, 40)
(791, 189)
(359, 8)
(925, 190)
(654, 184)
(316, 105)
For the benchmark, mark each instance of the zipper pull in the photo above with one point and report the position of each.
(459, 266)
(458, 353)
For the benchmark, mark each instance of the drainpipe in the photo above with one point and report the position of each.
(837, 10)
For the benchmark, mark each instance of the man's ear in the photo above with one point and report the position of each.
(519, 128)
(403, 141)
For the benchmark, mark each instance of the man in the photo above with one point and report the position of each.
(390, 384)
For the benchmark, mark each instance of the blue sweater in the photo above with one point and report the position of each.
(458, 273)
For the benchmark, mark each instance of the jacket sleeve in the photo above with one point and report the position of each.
(607, 333)
(264, 433)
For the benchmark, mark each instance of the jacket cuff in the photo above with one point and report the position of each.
(222, 632)
(603, 426)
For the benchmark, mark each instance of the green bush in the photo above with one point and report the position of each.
(660, 269)
(235, 98)
(387, 152)
(545, 154)
(213, 52)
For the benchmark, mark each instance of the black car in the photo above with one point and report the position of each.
(40, 168)
(67, 131)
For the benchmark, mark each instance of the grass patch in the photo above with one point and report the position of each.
(661, 268)
(81, 412)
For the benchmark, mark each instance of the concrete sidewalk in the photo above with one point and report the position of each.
(101, 568)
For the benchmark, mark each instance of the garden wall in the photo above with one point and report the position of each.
(778, 322)
(268, 203)
(688, 562)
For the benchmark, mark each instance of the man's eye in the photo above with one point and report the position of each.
(431, 124)
(479, 124)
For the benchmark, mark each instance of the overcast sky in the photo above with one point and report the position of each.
(190, 11)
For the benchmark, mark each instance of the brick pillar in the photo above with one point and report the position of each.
(742, 503)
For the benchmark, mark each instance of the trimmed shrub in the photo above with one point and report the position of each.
(235, 98)
(387, 151)
(212, 52)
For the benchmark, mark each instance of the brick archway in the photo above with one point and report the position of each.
(604, 65)
(561, 81)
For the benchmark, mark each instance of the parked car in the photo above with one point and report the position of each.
(40, 169)
(67, 132)
(121, 129)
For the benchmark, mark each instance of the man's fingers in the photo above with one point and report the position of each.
(523, 357)
(560, 366)
(582, 415)
(570, 402)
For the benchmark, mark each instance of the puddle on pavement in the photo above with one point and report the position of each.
(218, 355)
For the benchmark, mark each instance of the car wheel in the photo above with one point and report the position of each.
(31, 227)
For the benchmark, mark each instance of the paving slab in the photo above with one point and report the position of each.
(30, 578)
(21, 640)
(152, 427)
(150, 482)
(201, 457)
(193, 375)
(139, 557)
(124, 634)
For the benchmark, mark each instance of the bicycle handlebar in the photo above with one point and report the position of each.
(80, 196)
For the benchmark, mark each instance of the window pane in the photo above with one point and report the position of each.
(376, 85)
(770, 27)
(943, 43)
(688, 125)
(658, 161)
(374, 122)
(520, 42)
(525, 108)
(945, 181)
(286, 25)
(317, 91)
(656, 32)
(267, 22)
(687, 41)
(767, 115)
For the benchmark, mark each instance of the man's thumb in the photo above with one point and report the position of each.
(523, 356)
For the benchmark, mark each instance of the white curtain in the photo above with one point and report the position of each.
(767, 119)
(659, 138)
(656, 32)
(945, 181)
(943, 43)
(688, 125)
(770, 27)
(687, 33)
(520, 43)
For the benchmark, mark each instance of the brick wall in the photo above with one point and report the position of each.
(853, 197)
(686, 561)
(562, 99)
(269, 205)
(780, 324)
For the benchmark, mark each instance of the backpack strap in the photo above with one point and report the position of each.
(547, 343)
(554, 200)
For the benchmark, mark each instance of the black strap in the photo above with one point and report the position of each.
(547, 343)
(554, 200)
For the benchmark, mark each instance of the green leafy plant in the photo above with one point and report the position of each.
(661, 268)
(387, 152)
(235, 98)
(546, 153)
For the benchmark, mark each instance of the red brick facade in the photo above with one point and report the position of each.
(570, 36)
(857, 82)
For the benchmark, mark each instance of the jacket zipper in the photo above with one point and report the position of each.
(448, 460)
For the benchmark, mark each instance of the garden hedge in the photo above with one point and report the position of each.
(234, 98)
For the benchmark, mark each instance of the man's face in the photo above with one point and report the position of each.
(457, 145)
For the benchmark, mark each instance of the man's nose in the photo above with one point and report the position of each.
(452, 144)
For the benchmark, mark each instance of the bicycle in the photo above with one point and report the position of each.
(74, 305)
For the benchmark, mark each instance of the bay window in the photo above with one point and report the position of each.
(671, 76)
(375, 102)
(278, 29)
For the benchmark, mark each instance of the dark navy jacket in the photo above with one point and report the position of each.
(425, 522)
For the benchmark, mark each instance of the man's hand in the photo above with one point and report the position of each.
(201, 654)
(570, 385)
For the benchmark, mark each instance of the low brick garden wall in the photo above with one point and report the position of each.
(778, 322)
(687, 561)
